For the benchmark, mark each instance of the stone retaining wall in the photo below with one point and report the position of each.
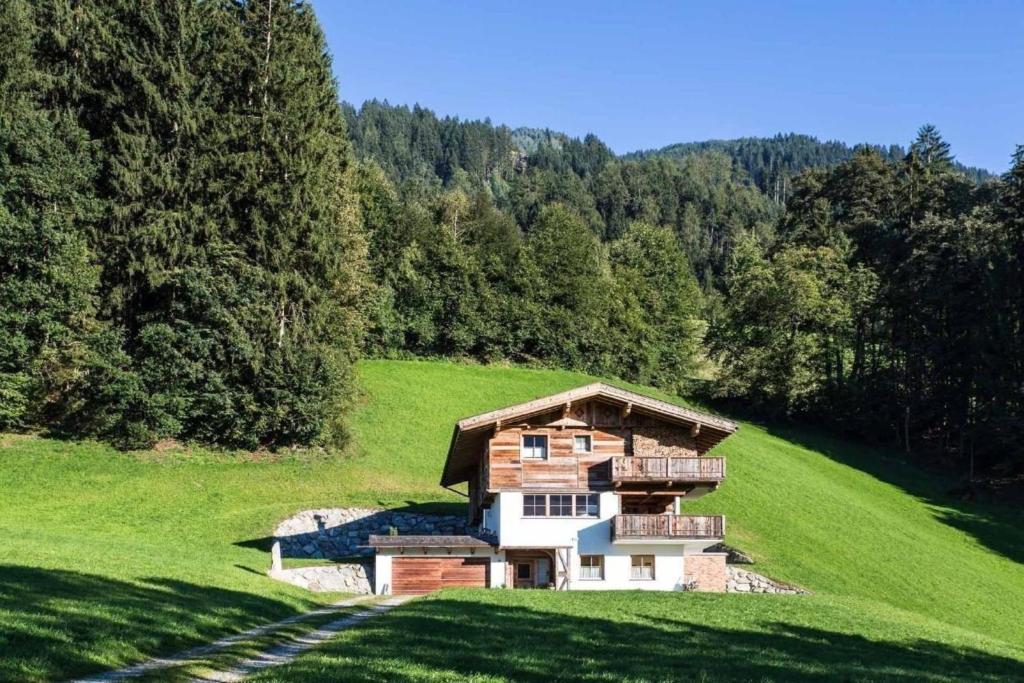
(343, 532)
(743, 581)
(348, 577)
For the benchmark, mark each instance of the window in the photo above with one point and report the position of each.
(642, 568)
(534, 447)
(535, 506)
(591, 567)
(560, 506)
(581, 443)
(586, 505)
(524, 571)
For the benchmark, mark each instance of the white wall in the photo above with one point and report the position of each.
(382, 574)
(592, 536)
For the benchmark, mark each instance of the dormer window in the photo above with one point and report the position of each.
(581, 443)
(534, 447)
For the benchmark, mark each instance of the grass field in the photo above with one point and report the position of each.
(111, 557)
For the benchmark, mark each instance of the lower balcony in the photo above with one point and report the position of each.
(641, 528)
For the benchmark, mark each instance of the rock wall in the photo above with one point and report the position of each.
(743, 581)
(337, 533)
(349, 577)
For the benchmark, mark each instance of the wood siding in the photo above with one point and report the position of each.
(563, 469)
(419, 575)
(612, 435)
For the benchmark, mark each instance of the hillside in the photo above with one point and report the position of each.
(112, 556)
(770, 162)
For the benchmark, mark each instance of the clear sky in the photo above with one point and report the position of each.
(643, 74)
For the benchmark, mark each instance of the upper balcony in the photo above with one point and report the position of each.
(636, 469)
(645, 528)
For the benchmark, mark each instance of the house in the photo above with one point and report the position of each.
(585, 489)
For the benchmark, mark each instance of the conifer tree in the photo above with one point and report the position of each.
(650, 267)
(47, 278)
(293, 218)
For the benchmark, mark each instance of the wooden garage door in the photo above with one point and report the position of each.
(417, 575)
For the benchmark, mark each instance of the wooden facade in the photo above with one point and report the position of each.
(637, 451)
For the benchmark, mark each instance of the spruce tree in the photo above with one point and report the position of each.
(292, 216)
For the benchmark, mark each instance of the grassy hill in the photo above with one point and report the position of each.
(109, 557)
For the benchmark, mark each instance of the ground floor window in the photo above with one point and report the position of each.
(524, 571)
(642, 567)
(560, 505)
(591, 567)
(535, 505)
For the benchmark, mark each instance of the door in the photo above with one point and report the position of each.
(543, 572)
(418, 575)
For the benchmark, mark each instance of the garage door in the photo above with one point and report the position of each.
(417, 575)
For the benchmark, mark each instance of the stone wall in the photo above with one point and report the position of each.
(743, 581)
(706, 572)
(331, 533)
(349, 577)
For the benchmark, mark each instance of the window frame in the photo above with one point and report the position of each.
(599, 566)
(544, 505)
(587, 499)
(533, 458)
(561, 505)
(633, 566)
(590, 443)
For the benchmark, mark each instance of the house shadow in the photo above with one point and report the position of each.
(347, 541)
(55, 624)
(458, 638)
(995, 525)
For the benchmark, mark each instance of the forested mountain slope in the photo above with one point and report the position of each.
(773, 162)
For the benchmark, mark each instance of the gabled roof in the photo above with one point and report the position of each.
(471, 433)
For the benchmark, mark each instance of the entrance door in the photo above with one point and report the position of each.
(543, 572)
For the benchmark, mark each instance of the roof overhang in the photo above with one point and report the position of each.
(471, 433)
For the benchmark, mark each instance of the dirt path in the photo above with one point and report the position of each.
(282, 653)
(279, 653)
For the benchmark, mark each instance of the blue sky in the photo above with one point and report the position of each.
(646, 74)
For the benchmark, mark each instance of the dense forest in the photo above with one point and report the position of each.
(772, 163)
(197, 239)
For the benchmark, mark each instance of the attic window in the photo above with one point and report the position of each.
(581, 443)
(534, 447)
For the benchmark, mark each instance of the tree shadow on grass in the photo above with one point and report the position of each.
(55, 624)
(460, 639)
(997, 526)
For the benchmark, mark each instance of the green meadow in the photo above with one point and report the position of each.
(111, 557)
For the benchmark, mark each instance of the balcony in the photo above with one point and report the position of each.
(635, 469)
(641, 528)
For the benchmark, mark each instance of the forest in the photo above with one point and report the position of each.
(198, 238)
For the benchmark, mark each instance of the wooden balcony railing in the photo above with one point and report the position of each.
(635, 468)
(647, 527)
